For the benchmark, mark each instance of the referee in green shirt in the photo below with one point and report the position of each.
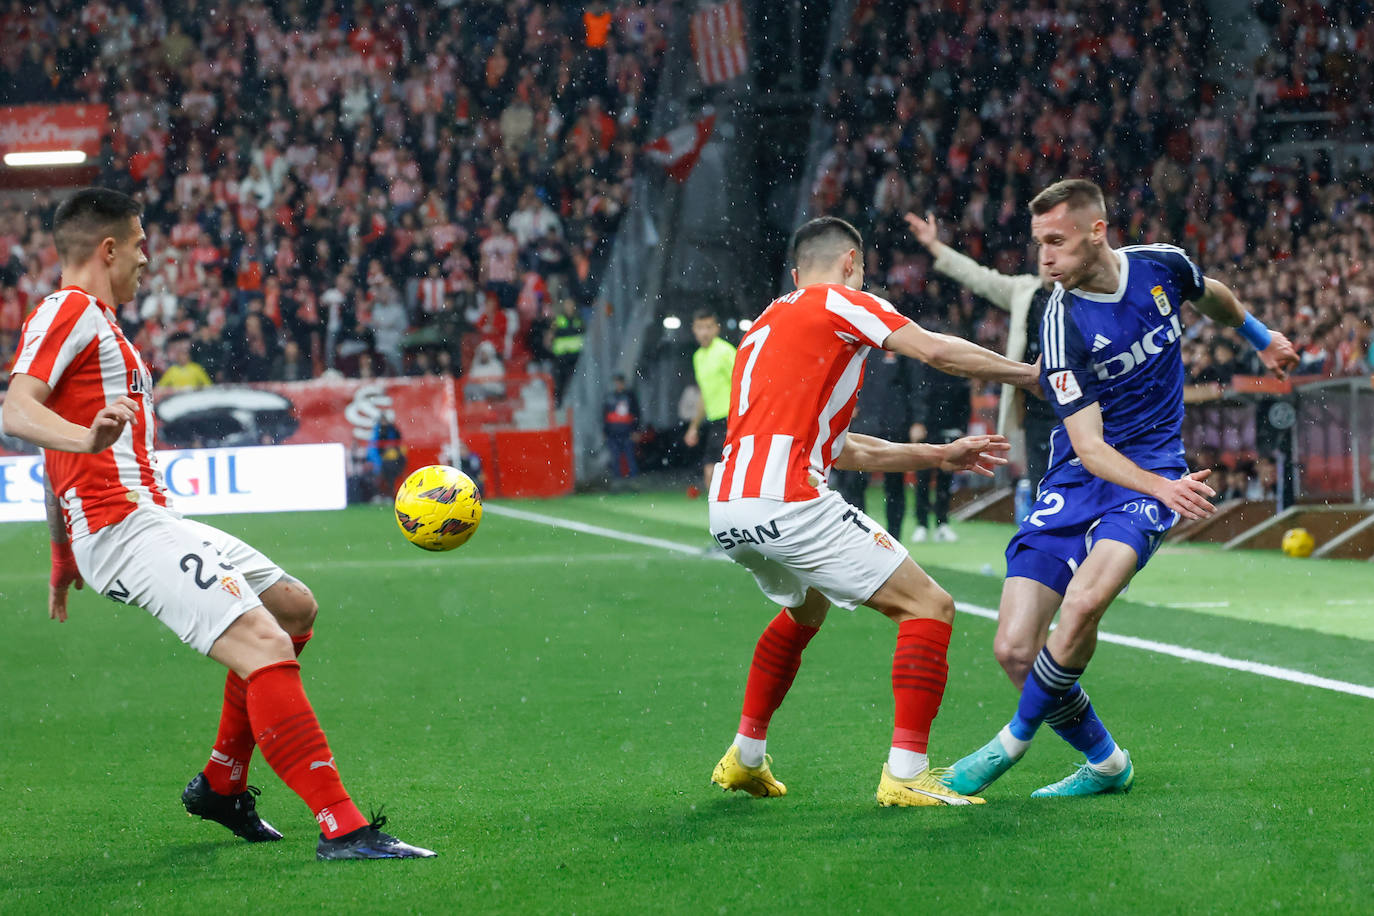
(713, 364)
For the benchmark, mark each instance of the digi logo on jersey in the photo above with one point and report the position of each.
(1154, 341)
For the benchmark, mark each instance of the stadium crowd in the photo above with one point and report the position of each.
(1320, 60)
(361, 188)
(968, 113)
(344, 186)
(966, 110)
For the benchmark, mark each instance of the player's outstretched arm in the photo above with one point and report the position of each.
(26, 417)
(979, 454)
(1188, 496)
(992, 285)
(1275, 351)
(957, 356)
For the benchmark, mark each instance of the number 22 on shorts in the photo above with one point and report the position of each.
(1053, 503)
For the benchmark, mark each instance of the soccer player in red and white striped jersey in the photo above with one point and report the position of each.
(81, 392)
(797, 376)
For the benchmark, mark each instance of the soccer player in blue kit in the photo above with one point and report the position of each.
(1117, 481)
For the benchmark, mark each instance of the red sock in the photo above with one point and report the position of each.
(776, 660)
(295, 747)
(227, 771)
(919, 672)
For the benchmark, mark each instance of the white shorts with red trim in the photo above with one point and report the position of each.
(195, 579)
(822, 543)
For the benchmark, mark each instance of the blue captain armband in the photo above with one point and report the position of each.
(1253, 330)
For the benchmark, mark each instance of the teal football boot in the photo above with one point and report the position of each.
(1087, 781)
(978, 770)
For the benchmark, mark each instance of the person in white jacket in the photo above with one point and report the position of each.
(1026, 422)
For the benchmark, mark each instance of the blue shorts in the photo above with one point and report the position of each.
(1067, 519)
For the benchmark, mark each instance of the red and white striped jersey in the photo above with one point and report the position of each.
(73, 343)
(797, 376)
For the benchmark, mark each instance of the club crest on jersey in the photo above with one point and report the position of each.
(230, 585)
(1162, 301)
(882, 540)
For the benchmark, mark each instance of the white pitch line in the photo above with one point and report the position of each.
(1145, 645)
(424, 563)
(432, 562)
(1196, 605)
(1208, 658)
(597, 530)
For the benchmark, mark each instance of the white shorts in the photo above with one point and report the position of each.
(823, 543)
(195, 579)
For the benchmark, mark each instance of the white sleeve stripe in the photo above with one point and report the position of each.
(1054, 330)
(83, 331)
(37, 328)
(861, 319)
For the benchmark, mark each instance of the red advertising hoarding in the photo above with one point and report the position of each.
(40, 128)
(51, 128)
(523, 454)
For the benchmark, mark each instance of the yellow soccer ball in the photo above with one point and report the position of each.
(438, 507)
(1298, 543)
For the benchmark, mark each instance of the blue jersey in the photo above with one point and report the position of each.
(1122, 351)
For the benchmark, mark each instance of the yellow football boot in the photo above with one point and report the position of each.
(923, 789)
(733, 776)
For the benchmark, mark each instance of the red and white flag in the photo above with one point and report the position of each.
(679, 149)
(718, 41)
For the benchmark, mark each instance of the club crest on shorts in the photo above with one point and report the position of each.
(230, 585)
(1162, 301)
(882, 540)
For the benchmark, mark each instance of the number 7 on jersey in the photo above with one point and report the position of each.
(752, 342)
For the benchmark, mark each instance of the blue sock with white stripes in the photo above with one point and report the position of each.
(1075, 720)
(1049, 683)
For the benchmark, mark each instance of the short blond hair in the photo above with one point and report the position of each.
(1078, 193)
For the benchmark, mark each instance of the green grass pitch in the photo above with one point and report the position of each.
(544, 708)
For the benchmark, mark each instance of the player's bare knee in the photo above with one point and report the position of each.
(269, 638)
(304, 609)
(293, 605)
(251, 642)
(938, 605)
(1015, 657)
(1083, 607)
